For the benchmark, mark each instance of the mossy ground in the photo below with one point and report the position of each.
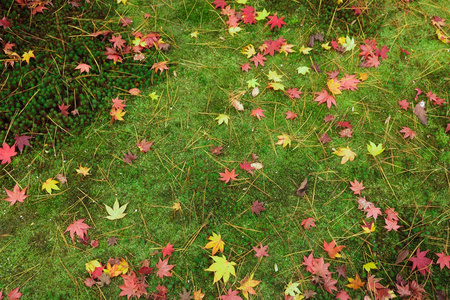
(411, 176)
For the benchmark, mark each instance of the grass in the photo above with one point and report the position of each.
(411, 176)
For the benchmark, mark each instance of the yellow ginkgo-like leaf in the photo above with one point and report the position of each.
(216, 243)
(346, 153)
(375, 150)
(222, 268)
(303, 70)
(116, 212)
(50, 185)
(369, 266)
(221, 118)
(326, 46)
(333, 86)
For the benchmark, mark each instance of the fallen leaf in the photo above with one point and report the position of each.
(50, 185)
(420, 112)
(222, 268)
(227, 175)
(375, 150)
(16, 195)
(216, 243)
(346, 153)
(117, 211)
(301, 190)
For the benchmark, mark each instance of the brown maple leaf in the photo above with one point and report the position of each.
(216, 150)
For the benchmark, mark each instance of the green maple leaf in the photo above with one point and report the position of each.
(292, 289)
(303, 70)
(262, 15)
(375, 150)
(252, 83)
(221, 118)
(222, 268)
(349, 43)
(116, 212)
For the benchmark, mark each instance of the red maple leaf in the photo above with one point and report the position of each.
(246, 166)
(118, 103)
(248, 15)
(347, 132)
(117, 41)
(257, 207)
(408, 133)
(329, 284)
(342, 295)
(344, 124)
(83, 68)
(357, 12)
(271, 46)
(357, 187)
(160, 66)
(144, 146)
(132, 286)
(14, 294)
(325, 138)
(323, 97)
(231, 295)
(308, 223)
(331, 249)
(164, 268)
(113, 55)
(16, 195)
(391, 225)
(167, 250)
(275, 21)
(63, 108)
(342, 271)
(349, 82)
(293, 93)
(291, 115)
(382, 52)
(421, 262)
(125, 21)
(403, 290)
(258, 113)
(372, 61)
(261, 251)
(245, 67)
(129, 157)
(444, 260)
(22, 141)
(403, 104)
(216, 150)
(38, 9)
(227, 176)
(328, 118)
(79, 228)
(404, 51)
(6, 152)
(372, 211)
(220, 4)
(5, 23)
(258, 59)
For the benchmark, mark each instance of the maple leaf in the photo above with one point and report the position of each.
(247, 285)
(227, 176)
(421, 262)
(284, 140)
(372, 211)
(355, 283)
(293, 93)
(27, 55)
(220, 4)
(303, 70)
(21, 142)
(323, 97)
(167, 250)
(246, 167)
(408, 133)
(160, 66)
(347, 132)
(274, 76)
(444, 260)
(261, 251)
(258, 59)
(370, 266)
(333, 86)
(83, 171)
(186, 295)
(368, 227)
(332, 251)
(325, 138)
(132, 286)
(83, 68)
(249, 50)
(306, 50)
(198, 295)
(245, 67)
(275, 86)
(129, 157)
(291, 115)
(346, 153)
(144, 146)
(342, 271)
(222, 268)
(257, 207)
(216, 243)
(342, 295)
(349, 43)
(349, 83)
(357, 187)
(116, 212)
(308, 223)
(248, 15)
(79, 228)
(261, 15)
(50, 185)
(125, 21)
(16, 195)
(375, 150)
(275, 21)
(292, 288)
(258, 113)
(117, 41)
(403, 104)
(221, 118)
(14, 294)
(164, 268)
(216, 150)
(231, 295)
(6, 152)
(118, 103)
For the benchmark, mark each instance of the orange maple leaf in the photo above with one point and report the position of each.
(331, 249)
(355, 283)
(227, 176)
(161, 66)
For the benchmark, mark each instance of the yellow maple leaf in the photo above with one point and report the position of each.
(194, 34)
(221, 118)
(249, 50)
(198, 295)
(274, 76)
(222, 268)
(117, 114)
(123, 1)
(216, 243)
(284, 140)
(286, 49)
(355, 283)
(234, 30)
(92, 265)
(50, 185)
(363, 76)
(442, 37)
(369, 266)
(326, 46)
(247, 285)
(341, 40)
(153, 96)
(304, 50)
(375, 150)
(333, 86)
(176, 206)
(346, 153)
(27, 55)
(275, 86)
(83, 171)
